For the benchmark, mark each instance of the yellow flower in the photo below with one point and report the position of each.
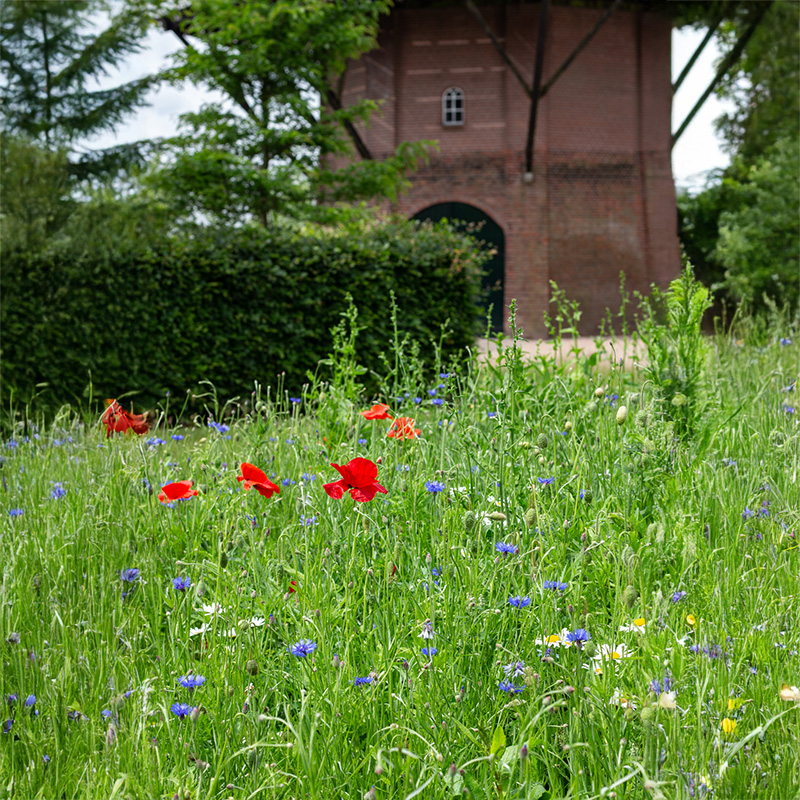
(734, 703)
(729, 726)
(690, 619)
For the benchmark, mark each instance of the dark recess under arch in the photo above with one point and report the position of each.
(487, 231)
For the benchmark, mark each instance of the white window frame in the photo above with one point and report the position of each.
(452, 97)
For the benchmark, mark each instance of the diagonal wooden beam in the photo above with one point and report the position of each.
(498, 46)
(727, 63)
(544, 16)
(690, 63)
(579, 47)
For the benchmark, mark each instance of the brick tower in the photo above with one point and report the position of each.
(553, 123)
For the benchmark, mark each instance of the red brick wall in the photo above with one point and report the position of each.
(602, 200)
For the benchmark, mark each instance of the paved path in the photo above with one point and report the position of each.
(614, 348)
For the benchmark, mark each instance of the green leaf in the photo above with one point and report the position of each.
(498, 740)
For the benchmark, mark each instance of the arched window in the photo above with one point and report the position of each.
(453, 107)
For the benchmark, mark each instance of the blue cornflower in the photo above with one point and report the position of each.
(181, 710)
(678, 596)
(728, 462)
(178, 437)
(45, 759)
(515, 669)
(303, 648)
(430, 652)
(181, 584)
(434, 487)
(58, 491)
(287, 482)
(505, 548)
(16, 512)
(154, 441)
(612, 399)
(748, 513)
(30, 700)
(507, 686)
(437, 401)
(788, 409)
(658, 687)
(295, 400)
(785, 341)
(519, 601)
(129, 575)
(11, 699)
(491, 414)
(105, 713)
(432, 392)
(417, 400)
(219, 426)
(444, 375)
(7, 725)
(307, 477)
(362, 442)
(556, 586)
(545, 481)
(191, 681)
(308, 521)
(12, 443)
(363, 681)
(578, 637)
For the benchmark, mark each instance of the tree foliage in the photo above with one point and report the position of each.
(52, 57)
(271, 146)
(741, 232)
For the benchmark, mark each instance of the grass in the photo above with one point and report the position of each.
(671, 537)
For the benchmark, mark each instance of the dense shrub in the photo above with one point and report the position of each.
(230, 307)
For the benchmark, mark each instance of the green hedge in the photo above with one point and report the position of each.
(230, 307)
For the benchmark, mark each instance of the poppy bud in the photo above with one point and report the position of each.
(498, 516)
(195, 714)
(622, 415)
(641, 418)
(530, 517)
(679, 400)
(262, 719)
(251, 667)
(542, 441)
(587, 495)
(567, 426)
(470, 520)
(599, 392)
(630, 596)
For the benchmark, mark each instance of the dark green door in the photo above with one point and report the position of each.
(491, 234)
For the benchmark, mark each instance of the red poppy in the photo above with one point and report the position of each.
(118, 420)
(358, 477)
(180, 490)
(292, 587)
(403, 428)
(254, 478)
(378, 411)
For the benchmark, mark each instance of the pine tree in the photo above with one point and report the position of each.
(51, 55)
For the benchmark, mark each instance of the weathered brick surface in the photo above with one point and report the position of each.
(603, 198)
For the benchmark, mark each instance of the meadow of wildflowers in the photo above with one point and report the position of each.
(525, 585)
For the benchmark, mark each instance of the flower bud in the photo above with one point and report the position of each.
(251, 667)
(470, 521)
(498, 516)
(542, 441)
(599, 392)
(630, 596)
(622, 415)
(530, 517)
(195, 714)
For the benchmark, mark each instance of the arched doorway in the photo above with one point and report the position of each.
(488, 231)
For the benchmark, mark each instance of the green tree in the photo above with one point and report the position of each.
(741, 232)
(280, 141)
(764, 84)
(51, 55)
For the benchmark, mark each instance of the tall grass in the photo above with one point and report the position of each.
(672, 545)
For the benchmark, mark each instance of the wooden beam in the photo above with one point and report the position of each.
(579, 47)
(690, 63)
(335, 103)
(544, 16)
(728, 62)
(498, 46)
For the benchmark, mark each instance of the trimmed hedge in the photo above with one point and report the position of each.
(230, 307)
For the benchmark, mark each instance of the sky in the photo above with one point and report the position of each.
(697, 151)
